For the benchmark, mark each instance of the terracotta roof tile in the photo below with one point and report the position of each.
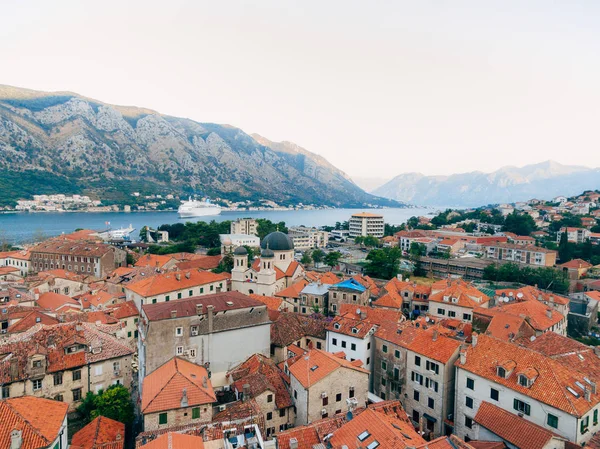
(172, 281)
(316, 365)
(372, 314)
(31, 319)
(513, 429)
(291, 327)
(552, 386)
(460, 293)
(39, 420)
(293, 291)
(55, 301)
(100, 433)
(271, 302)
(154, 260)
(174, 440)
(123, 310)
(201, 263)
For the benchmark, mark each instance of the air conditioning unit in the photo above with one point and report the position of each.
(195, 333)
(117, 373)
(3, 331)
(323, 412)
(222, 408)
(323, 395)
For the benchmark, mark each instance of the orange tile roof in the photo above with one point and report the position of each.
(293, 291)
(292, 267)
(535, 311)
(20, 254)
(420, 341)
(261, 374)
(508, 327)
(271, 302)
(576, 264)
(202, 263)
(63, 246)
(351, 327)
(100, 433)
(153, 260)
(174, 440)
(315, 365)
(372, 314)
(291, 327)
(367, 282)
(529, 292)
(39, 420)
(82, 234)
(453, 442)
(551, 385)
(172, 281)
(31, 319)
(326, 278)
(389, 432)
(56, 301)
(123, 310)
(467, 296)
(512, 428)
(367, 215)
(594, 294)
(96, 300)
(162, 389)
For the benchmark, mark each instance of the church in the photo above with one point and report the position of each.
(275, 270)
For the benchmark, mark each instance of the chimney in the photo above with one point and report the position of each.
(293, 443)
(474, 337)
(592, 386)
(187, 274)
(549, 313)
(210, 310)
(16, 439)
(36, 296)
(399, 277)
(551, 301)
(435, 335)
(587, 394)
(463, 357)
(184, 398)
(199, 309)
(178, 276)
(173, 313)
(246, 392)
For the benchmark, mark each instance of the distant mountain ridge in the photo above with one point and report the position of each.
(509, 184)
(62, 142)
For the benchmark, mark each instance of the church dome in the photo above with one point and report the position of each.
(267, 254)
(240, 251)
(277, 241)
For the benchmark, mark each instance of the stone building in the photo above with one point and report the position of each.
(89, 257)
(258, 378)
(64, 362)
(293, 329)
(417, 365)
(165, 287)
(456, 300)
(321, 383)
(349, 291)
(275, 270)
(176, 394)
(218, 331)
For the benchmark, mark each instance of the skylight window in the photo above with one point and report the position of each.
(373, 445)
(363, 436)
(314, 368)
(573, 392)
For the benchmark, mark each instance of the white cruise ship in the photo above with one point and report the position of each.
(195, 208)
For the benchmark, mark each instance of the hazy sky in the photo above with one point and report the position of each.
(377, 87)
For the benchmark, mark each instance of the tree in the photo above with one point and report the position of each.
(370, 241)
(417, 250)
(213, 251)
(383, 263)
(306, 259)
(129, 259)
(565, 250)
(265, 227)
(114, 403)
(318, 255)
(226, 264)
(332, 259)
(359, 240)
(519, 224)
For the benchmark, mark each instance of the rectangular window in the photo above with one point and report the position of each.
(595, 416)
(434, 367)
(416, 395)
(353, 346)
(384, 348)
(191, 293)
(383, 365)
(430, 403)
(178, 331)
(37, 385)
(552, 421)
(494, 394)
(343, 343)
(585, 424)
(162, 418)
(167, 298)
(269, 416)
(196, 413)
(338, 397)
(98, 370)
(179, 350)
(282, 413)
(334, 341)
(417, 360)
(351, 392)
(468, 422)
(5, 392)
(441, 311)
(58, 378)
(77, 375)
(397, 354)
(269, 398)
(470, 383)
(521, 406)
(325, 401)
(76, 394)
(467, 316)
(469, 402)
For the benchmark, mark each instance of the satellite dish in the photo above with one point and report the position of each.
(427, 319)
(510, 294)
(358, 311)
(519, 295)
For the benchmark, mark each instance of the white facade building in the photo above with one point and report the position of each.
(364, 224)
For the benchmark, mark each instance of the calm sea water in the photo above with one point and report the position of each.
(24, 227)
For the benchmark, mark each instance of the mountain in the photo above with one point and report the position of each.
(506, 185)
(62, 142)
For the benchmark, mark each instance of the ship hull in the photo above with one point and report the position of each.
(199, 212)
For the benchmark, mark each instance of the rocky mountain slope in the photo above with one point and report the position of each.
(64, 142)
(506, 185)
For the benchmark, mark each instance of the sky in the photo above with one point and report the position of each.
(379, 88)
